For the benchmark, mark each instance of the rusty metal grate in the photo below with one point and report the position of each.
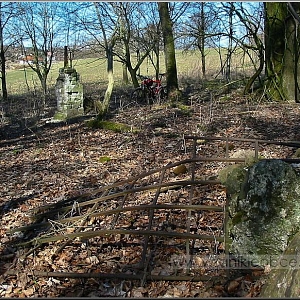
(101, 216)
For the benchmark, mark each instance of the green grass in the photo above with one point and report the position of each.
(93, 70)
(104, 159)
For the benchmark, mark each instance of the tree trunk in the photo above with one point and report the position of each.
(157, 68)
(229, 51)
(291, 72)
(110, 76)
(43, 81)
(169, 48)
(250, 82)
(282, 51)
(125, 74)
(133, 71)
(3, 72)
(2, 59)
(102, 107)
(124, 70)
(202, 41)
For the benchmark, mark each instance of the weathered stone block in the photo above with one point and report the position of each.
(264, 209)
(69, 94)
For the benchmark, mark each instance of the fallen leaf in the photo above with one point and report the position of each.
(28, 292)
(92, 260)
(232, 286)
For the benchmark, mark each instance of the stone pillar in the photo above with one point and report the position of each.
(69, 94)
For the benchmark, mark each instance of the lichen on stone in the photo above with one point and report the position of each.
(264, 207)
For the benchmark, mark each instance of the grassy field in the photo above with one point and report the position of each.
(93, 70)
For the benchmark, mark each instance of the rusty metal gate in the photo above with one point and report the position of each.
(174, 225)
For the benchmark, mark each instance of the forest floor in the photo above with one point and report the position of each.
(51, 163)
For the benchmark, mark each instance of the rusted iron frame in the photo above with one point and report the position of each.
(138, 189)
(255, 141)
(192, 182)
(226, 139)
(83, 219)
(175, 235)
(256, 149)
(106, 232)
(281, 143)
(116, 276)
(129, 180)
(145, 261)
(188, 236)
(189, 213)
(119, 210)
(114, 222)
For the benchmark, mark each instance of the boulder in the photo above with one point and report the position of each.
(284, 279)
(263, 209)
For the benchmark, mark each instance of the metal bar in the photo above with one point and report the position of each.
(118, 210)
(189, 213)
(114, 222)
(139, 189)
(283, 143)
(151, 215)
(116, 275)
(227, 150)
(105, 232)
(226, 229)
(143, 175)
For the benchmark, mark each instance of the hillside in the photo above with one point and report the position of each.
(50, 163)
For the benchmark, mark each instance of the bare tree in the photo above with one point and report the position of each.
(152, 36)
(199, 29)
(117, 30)
(169, 48)
(135, 36)
(230, 42)
(36, 26)
(109, 44)
(252, 41)
(7, 12)
(101, 26)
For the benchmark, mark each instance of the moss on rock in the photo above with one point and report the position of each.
(264, 208)
(109, 125)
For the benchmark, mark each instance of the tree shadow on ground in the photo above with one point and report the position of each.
(10, 254)
(82, 285)
(260, 128)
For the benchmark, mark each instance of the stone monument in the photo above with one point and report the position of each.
(69, 91)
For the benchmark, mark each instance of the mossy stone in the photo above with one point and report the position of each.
(263, 209)
(109, 125)
(60, 116)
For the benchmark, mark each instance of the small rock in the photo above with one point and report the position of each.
(181, 169)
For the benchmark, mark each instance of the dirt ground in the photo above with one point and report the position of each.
(47, 163)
